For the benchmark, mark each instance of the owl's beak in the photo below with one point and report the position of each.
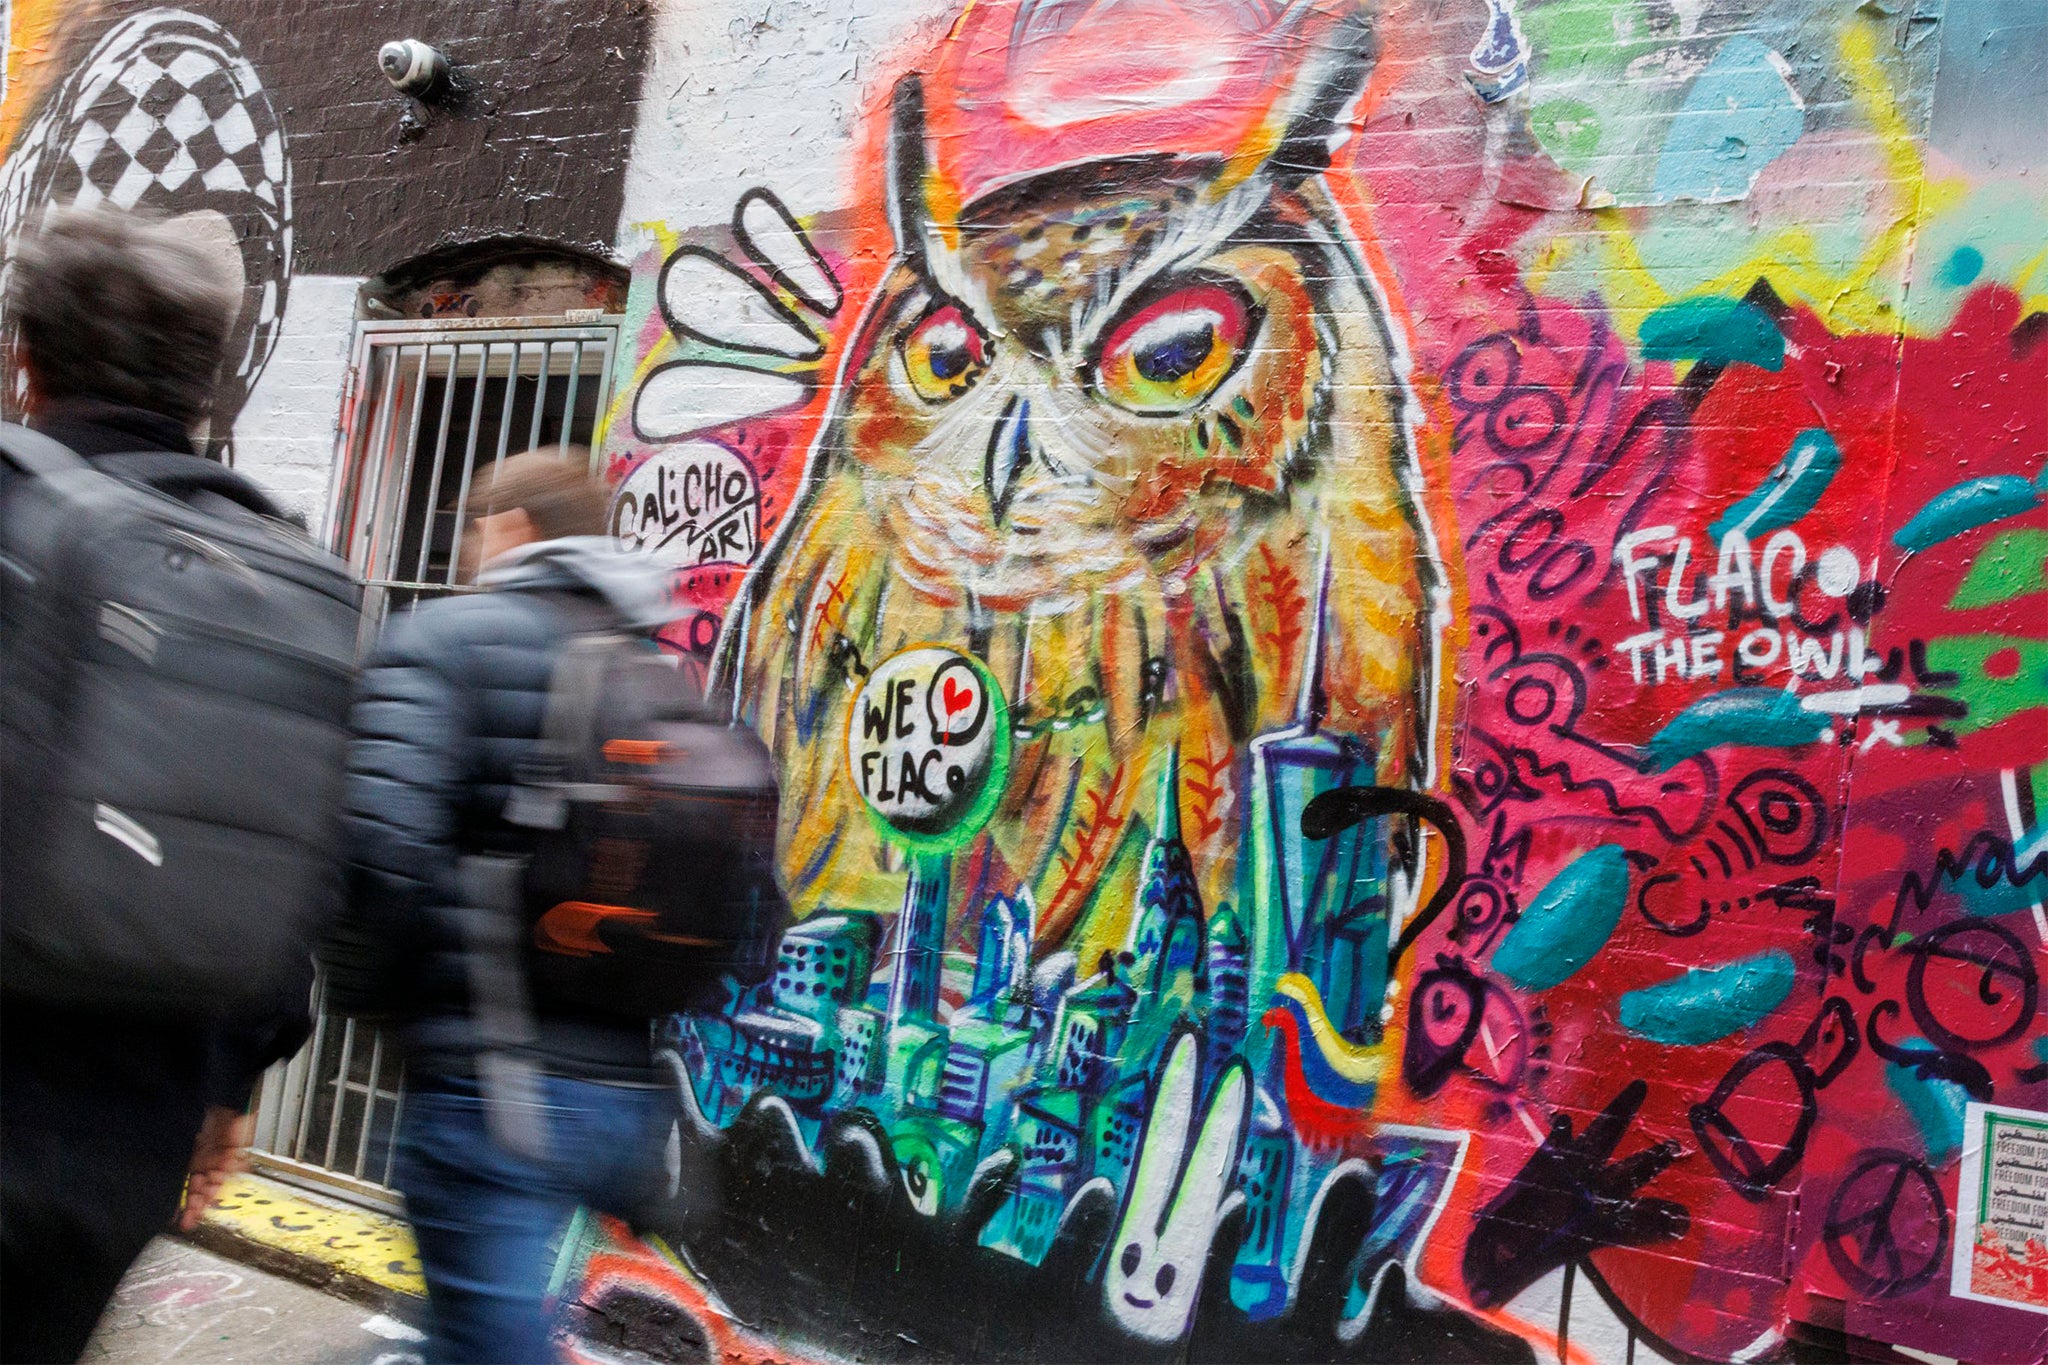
(1009, 455)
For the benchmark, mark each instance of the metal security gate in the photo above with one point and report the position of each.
(427, 405)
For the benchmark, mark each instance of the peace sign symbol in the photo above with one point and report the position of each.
(1887, 1226)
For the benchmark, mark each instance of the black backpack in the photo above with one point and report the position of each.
(651, 883)
(172, 734)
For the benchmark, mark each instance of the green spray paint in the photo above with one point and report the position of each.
(1965, 507)
(1709, 1002)
(1789, 491)
(1568, 922)
(1763, 716)
(1997, 676)
(1715, 331)
(2014, 564)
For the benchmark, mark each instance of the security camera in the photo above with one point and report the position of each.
(412, 67)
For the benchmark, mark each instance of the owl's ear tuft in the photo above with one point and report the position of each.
(909, 165)
(1317, 109)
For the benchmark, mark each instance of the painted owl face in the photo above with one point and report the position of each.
(1103, 378)
(1120, 429)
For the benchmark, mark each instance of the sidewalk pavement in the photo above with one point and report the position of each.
(185, 1305)
(282, 1274)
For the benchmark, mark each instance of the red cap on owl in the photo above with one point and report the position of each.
(1026, 86)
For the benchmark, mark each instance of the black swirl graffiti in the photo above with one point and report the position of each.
(1484, 371)
(1483, 905)
(1927, 1063)
(2008, 987)
(1525, 419)
(1785, 815)
(1656, 913)
(1333, 812)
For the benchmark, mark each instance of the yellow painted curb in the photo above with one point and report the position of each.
(328, 1240)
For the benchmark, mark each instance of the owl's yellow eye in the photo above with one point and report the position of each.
(943, 355)
(1170, 353)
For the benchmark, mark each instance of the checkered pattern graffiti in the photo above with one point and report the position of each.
(166, 114)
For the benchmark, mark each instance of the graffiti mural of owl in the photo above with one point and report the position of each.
(1126, 419)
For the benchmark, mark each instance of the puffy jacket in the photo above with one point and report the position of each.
(449, 706)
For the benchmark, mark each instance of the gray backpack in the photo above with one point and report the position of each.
(175, 677)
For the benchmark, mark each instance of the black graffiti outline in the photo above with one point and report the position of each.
(2021, 969)
(783, 312)
(1428, 1064)
(1485, 908)
(1987, 858)
(1538, 767)
(1838, 1011)
(1333, 812)
(941, 735)
(806, 386)
(1815, 807)
(1503, 636)
(767, 263)
(1685, 930)
(1928, 1063)
(1740, 1164)
(1881, 1237)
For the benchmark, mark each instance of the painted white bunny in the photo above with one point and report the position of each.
(1178, 1195)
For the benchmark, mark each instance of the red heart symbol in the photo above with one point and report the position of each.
(956, 697)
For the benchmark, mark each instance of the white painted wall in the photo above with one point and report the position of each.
(284, 439)
(741, 93)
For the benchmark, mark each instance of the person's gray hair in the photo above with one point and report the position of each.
(121, 308)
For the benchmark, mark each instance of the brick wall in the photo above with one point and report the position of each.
(1465, 580)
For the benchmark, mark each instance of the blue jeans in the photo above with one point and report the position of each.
(484, 1218)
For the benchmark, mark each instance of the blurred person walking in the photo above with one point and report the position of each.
(177, 662)
(503, 740)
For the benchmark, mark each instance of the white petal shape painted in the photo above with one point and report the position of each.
(686, 398)
(769, 234)
(707, 299)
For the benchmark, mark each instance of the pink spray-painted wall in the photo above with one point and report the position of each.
(1408, 641)
(1467, 584)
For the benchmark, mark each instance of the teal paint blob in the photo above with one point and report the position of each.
(1789, 491)
(1706, 1003)
(1568, 922)
(1936, 1108)
(1965, 507)
(2002, 897)
(1740, 115)
(1767, 717)
(1964, 264)
(1716, 331)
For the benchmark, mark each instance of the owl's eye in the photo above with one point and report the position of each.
(1169, 353)
(943, 354)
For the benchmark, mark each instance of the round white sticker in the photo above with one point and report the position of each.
(926, 741)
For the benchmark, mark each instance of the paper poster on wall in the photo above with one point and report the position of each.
(2001, 1253)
